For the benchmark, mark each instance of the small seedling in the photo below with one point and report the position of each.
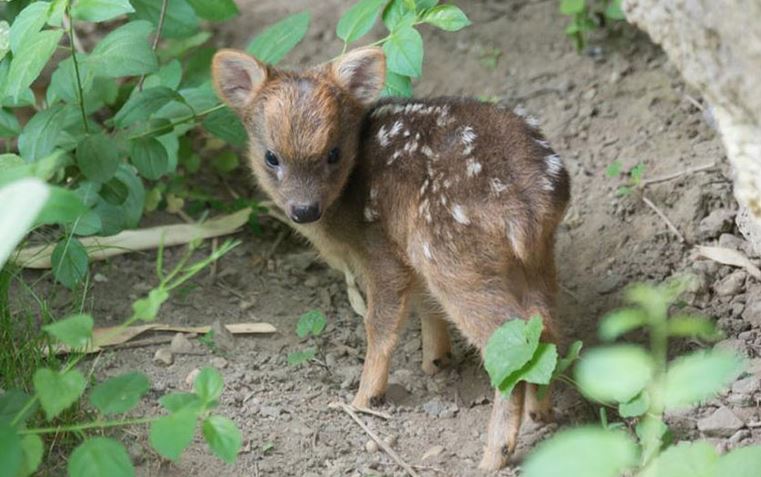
(310, 325)
(589, 15)
(634, 176)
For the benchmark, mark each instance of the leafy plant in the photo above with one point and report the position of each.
(633, 176)
(642, 383)
(589, 15)
(310, 324)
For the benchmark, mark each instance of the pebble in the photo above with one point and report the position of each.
(747, 386)
(163, 357)
(730, 285)
(722, 423)
(437, 408)
(191, 377)
(434, 451)
(180, 344)
(391, 440)
(715, 223)
(219, 362)
(371, 446)
(752, 313)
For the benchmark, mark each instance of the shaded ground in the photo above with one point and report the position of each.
(623, 103)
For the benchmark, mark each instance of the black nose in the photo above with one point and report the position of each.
(303, 214)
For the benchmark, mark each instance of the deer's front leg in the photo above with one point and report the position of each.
(388, 309)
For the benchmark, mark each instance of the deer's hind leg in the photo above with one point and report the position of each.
(434, 331)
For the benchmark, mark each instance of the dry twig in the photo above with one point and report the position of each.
(676, 175)
(668, 222)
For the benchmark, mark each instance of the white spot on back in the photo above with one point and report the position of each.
(497, 186)
(458, 212)
(383, 136)
(543, 143)
(395, 129)
(547, 184)
(427, 251)
(427, 151)
(473, 167)
(554, 164)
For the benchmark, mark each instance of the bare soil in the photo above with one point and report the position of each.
(619, 101)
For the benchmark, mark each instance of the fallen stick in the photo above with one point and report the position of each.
(100, 248)
(668, 222)
(679, 174)
(364, 410)
(391, 452)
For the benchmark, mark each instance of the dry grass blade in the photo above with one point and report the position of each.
(727, 256)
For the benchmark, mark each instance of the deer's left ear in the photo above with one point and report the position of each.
(362, 72)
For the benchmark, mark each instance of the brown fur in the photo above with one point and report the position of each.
(445, 206)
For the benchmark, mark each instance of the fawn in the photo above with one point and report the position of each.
(445, 206)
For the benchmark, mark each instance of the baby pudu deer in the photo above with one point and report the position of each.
(445, 206)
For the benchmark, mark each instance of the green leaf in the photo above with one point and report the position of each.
(74, 331)
(275, 42)
(43, 132)
(168, 75)
(146, 309)
(63, 82)
(27, 24)
(208, 385)
(133, 205)
(510, 347)
(142, 104)
(572, 7)
(28, 62)
(636, 407)
(11, 452)
(215, 10)
(621, 322)
(312, 322)
(87, 224)
(9, 125)
(698, 376)
(62, 207)
(124, 52)
(226, 162)
(614, 169)
(538, 370)
(399, 13)
(614, 11)
(100, 10)
(100, 456)
(180, 20)
(635, 174)
(56, 12)
(446, 17)
(651, 432)
(693, 326)
(33, 449)
(223, 437)
(425, 4)
(5, 40)
(358, 20)
(69, 261)
(654, 300)
(225, 125)
(119, 394)
(57, 391)
(615, 373)
(149, 157)
(171, 434)
(582, 452)
(178, 401)
(687, 459)
(397, 85)
(570, 357)
(88, 192)
(14, 402)
(404, 52)
(743, 462)
(298, 357)
(97, 158)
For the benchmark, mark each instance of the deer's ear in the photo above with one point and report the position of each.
(362, 72)
(237, 77)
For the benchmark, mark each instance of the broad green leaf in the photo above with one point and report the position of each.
(223, 437)
(114, 192)
(180, 21)
(562, 365)
(5, 39)
(28, 23)
(298, 357)
(446, 17)
(538, 370)
(133, 205)
(11, 452)
(57, 391)
(69, 261)
(178, 401)
(99, 457)
(171, 145)
(44, 168)
(88, 192)
(173, 49)
(693, 326)
(22, 201)
(698, 376)
(168, 75)
(614, 169)
(33, 449)
(28, 62)
(97, 158)
(571, 7)
(743, 462)
(225, 125)
(88, 224)
(397, 85)
(582, 452)
(42, 133)
(197, 98)
(615, 373)
(404, 52)
(654, 300)
(171, 434)
(146, 309)
(613, 11)
(358, 20)
(100, 10)
(635, 407)
(9, 125)
(651, 432)
(63, 83)
(311, 323)
(144, 103)
(425, 4)
(74, 331)
(398, 13)
(687, 459)
(621, 322)
(119, 394)
(215, 10)
(208, 385)
(12, 403)
(275, 42)
(124, 52)
(149, 157)
(510, 347)
(55, 13)
(226, 162)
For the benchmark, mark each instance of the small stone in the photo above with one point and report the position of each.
(191, 377)
(747, 386)
(391, 440)
(722, 423)
(219, 362)
(371, 446)
(100, 278)
(739, 436)
(715, 223)
(731, 241)
(181, 344)
(752, 313)
(730, 285)
(163, 357)
(434, 407)
(434, 451)
(223, 339)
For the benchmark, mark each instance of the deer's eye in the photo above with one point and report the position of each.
(271, 159)
(334, 156)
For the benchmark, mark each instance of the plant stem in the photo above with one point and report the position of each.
(76, 69)
(178, 122)
(159, 27)
(89, 425)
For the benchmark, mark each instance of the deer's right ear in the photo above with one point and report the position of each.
(237, 77)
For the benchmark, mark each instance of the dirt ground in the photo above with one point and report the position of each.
(621, 101)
